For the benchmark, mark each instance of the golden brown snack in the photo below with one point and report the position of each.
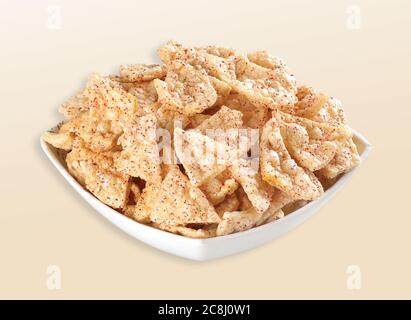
(199, 155)
(96, 172)
(140, 156)
(209, 143)
(141, 72)
(280, 170)
(223, 119)
(186, 89)
(178, 203)
(264, 87)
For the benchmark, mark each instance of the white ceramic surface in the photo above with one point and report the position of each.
(206, 249)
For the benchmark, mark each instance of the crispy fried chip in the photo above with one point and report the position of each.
(208, 143)
(102, 94)
(62, 138)
(218, 63)
(269, 217)
(345, 159)
(280, 170)
(309, 102)
(230, 203)
(253, 117)
(219, 187)
(223, 90)
(199, 155)
(99, 134)
(140, 156)
(310, 152)
(174, 50)
(264, 87)
(236, 221)
(180, 203)
(319, 107)
(186, 89)
(95, 172)
(141, 72)
(312, 144)
(219, 51)
(267, 60)
(216, 66)
(99, 116)
(259, 193)
(332, 113)
(168, 119)
(223, 119)
(145, 203)
(316, 130)
(146, 96)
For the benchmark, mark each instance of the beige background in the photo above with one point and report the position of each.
(43, 222)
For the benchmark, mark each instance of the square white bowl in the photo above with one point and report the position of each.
(206, 249)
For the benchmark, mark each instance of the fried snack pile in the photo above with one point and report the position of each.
(111, 144)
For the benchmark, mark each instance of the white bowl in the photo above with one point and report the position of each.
(206, 249)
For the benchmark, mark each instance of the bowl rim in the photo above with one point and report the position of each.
(50, 152)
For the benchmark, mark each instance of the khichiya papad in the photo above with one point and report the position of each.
(208, 143)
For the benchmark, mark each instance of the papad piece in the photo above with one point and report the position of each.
(173, 50)
(264, 87)
(145, 203)
(310, 152)
(140, 155)
(230, 203)
(310, 102)
(269, 217)
(141, 72)
(253, 117)
(332, 113)
(219, 187)
(216, 66)
(223, 90)
(99, 134)
(265, 59)
(61, 137)
(259, 193)
(181, 203)
(345, 159)
(199, 155)
(186, 89)
(312, 144)
(218, 63)
(280, 170)
(95, 171)
(146, 96)
(319, 107)
(316, 130)
(101, 93)
(236, 221)
(223, 119)
(218, 51)
(169, 119)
